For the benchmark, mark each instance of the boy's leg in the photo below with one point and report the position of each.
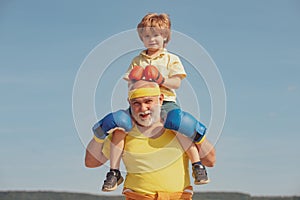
(189, 147)
(116, 148)
(199, 171)
(166, 107)
(113, 177)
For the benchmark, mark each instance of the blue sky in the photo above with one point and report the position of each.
(255, 45)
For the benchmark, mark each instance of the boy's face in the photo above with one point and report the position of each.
(152, 39)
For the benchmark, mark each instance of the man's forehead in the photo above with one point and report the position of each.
(142, 99)
(143, 89)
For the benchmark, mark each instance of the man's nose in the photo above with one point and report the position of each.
(144, 107)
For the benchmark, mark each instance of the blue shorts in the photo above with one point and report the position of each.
(166, 107)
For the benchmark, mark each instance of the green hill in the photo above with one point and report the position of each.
(47, 195)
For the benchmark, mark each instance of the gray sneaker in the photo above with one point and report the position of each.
(200, 175)
(113, 179)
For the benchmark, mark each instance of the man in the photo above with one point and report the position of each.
(156, 164)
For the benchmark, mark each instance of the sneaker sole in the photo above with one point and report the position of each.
(201, 182)
(115, 186)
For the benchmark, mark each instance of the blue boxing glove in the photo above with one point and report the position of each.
(119, 119)
(185, 124)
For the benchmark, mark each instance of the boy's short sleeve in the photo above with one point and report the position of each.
(125, 76)
(132, 64)
(176, 67)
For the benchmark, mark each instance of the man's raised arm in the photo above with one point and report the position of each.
(207, 153)
(93, 155)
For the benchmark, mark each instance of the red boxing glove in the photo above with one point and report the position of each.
(136, 73)
(152, 74)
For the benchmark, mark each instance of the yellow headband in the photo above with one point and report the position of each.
(143, 92)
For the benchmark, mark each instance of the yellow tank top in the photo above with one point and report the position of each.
(154, 165)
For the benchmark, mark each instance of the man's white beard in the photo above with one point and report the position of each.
(153, 118)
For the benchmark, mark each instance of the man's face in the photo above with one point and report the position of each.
(146, 110)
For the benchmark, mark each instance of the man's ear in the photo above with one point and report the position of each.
(161, 99)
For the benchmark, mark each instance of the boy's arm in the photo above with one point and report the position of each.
(172, 83)
(134, 62)
(176, 72)
(152, 73)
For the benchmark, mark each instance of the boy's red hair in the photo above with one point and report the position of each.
(159, 22)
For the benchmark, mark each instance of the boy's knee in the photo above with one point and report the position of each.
(118, 135)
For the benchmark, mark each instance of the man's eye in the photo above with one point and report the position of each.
(149, 101)
(136, 104)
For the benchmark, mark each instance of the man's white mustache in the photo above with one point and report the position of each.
(145, 113)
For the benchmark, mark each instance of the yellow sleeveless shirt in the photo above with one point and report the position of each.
(154, 165)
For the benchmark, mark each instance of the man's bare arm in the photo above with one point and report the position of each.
(93, 155)
(207, 153)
